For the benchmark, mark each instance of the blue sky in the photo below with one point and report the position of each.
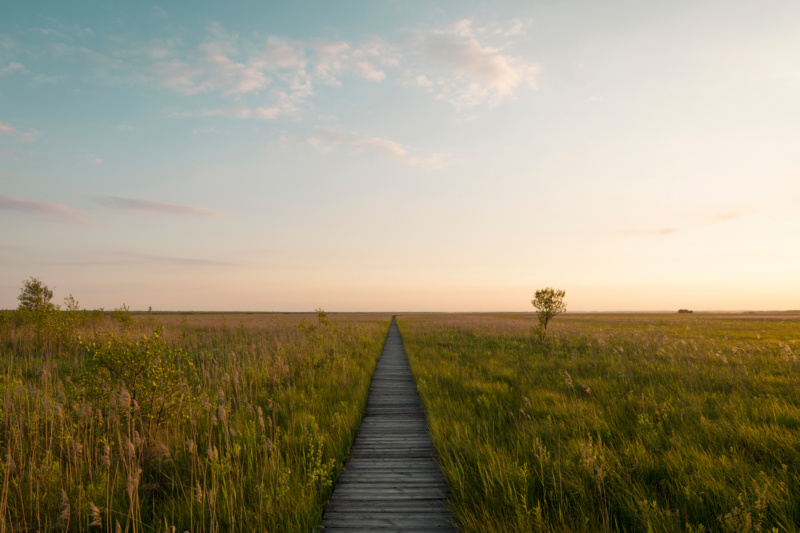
(447, 156)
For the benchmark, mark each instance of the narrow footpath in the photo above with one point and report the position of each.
(391, 481)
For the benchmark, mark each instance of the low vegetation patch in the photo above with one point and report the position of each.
(205, 423)
(614, 423)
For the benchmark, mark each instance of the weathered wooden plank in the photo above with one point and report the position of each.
(389, 475)
(392, 481)
(433, 489)
(367, 468)
(418, 506)
(397, 444)
(404, 521)
(349, 492)
(388, 529)
(392, 438)
(378, 470)
(420, 472)
(393, 484)
(390, 431)
(372, 515)
(366, 460)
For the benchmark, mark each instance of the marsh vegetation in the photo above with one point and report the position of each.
(145, 422)
(614, 423)
(205, 423)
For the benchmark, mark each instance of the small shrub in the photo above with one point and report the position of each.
(147, 377)
(123, 314)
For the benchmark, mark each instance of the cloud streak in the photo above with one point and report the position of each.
(135, 258)
(7, 130)
(12, 68)
(327, 140)
(41, 208)
(149, 207)
(700, 223)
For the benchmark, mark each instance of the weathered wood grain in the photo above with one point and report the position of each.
(391, 481)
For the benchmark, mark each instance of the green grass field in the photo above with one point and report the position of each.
(614, 422)
(242, 422)
(224, 423)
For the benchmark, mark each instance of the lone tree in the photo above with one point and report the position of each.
(548, 303)
(35, 296)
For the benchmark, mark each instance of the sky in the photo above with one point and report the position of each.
(402, 155)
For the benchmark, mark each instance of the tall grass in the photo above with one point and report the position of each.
(616, 423)
(253, 439)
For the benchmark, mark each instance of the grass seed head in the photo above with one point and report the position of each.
(132, 486)
(94, 514)
(124, 398)
(64, 507)
(130, 449)
(261, 420)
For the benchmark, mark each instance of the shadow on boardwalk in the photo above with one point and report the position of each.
(391, 481)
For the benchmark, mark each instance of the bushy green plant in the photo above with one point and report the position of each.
(147, 376)
(123, 315)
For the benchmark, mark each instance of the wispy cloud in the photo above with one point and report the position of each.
(7, 130)
(689, 226)
(243, 111)
(517, 28)
(149, 207)
(159, 12)
(458, 66)
(13, 67)
(327, 140)
(49, 210)
(40, 80)
(332, 59)
(228, 75)
(263, 77)
(136, 258)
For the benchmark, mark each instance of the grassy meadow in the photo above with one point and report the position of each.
(614, 423)
(193, 423)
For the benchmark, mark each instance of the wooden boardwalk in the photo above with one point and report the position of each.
(391, 481)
